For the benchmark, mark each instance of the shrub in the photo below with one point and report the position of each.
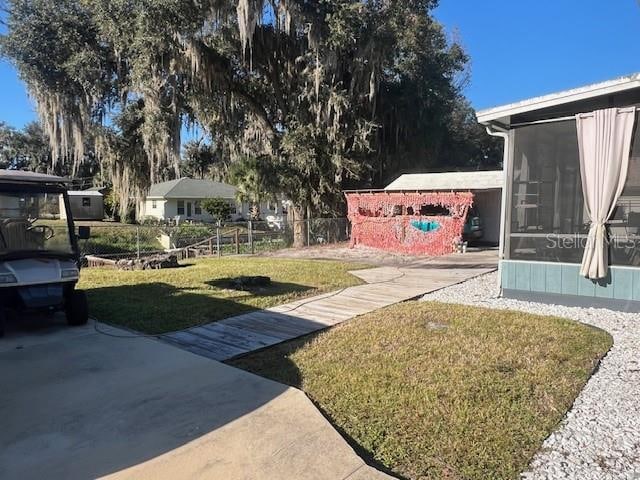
(218, 208)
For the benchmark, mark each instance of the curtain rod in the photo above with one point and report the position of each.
(564, 119)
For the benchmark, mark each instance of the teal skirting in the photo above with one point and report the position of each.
(554, 279)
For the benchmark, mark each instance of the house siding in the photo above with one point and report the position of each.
(168, 209)
(147, 210)
(558, 281)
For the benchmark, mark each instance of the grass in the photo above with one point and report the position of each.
(161, 301)
(111, 239)
(119, 240)
(435, 391)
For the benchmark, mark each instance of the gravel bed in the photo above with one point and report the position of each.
(600, 436)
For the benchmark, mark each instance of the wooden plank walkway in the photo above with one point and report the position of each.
(384, 286)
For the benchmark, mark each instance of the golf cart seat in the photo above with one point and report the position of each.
(16, 234)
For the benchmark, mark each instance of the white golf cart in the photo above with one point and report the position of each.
(39, 255)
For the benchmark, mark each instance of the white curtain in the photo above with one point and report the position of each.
(604, 140)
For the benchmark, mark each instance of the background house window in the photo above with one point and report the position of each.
(197, 208)
(548, 221)
(86, 201)
(180, 207)
(154, 204)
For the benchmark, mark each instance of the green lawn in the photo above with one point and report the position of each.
(161, 301)
(435, 391)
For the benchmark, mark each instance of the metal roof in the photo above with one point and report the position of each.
(85, 193)
(502, 113)
(486, 180)
(30, 177)
(190, 188)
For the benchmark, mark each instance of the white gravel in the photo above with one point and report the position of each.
(600, 436)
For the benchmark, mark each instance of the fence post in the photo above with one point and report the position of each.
(308, 220)
(327, 239)
(138, 242)
(218, 242)
(251, 237)
(237, 241)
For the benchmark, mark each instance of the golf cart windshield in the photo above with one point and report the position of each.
(33, 222)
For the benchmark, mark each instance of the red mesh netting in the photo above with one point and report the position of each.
(394, 222)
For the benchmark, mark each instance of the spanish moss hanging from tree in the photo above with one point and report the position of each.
(328, 94)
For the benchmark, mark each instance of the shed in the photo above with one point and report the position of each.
(86, 204)
(485, 185)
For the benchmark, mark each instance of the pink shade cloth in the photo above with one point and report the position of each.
(376, 221)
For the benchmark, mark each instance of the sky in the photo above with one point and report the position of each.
(518, 48)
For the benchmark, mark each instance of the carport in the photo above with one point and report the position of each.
(485, 185)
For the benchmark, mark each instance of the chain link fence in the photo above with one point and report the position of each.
(110, 243)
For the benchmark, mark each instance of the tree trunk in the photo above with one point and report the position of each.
(299, 227)
(255, 211)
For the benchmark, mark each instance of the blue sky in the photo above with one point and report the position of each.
(525, 48)
(518, 49)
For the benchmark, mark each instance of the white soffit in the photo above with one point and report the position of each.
(609, 87)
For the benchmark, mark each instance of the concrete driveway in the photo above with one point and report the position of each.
(79, 404)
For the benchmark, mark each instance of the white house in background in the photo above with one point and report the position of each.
(183, 198)
(485, 185)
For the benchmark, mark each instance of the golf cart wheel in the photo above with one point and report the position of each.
(77, 308)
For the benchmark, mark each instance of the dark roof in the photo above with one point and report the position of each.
(29, 177)
(190, 188)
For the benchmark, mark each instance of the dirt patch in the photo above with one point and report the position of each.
(343, 252)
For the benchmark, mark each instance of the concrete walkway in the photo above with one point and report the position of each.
(384, 286)
(78, 404)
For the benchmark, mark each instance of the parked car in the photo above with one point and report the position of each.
(473, 229)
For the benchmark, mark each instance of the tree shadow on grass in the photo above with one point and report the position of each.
(156, 308)
(273, 289)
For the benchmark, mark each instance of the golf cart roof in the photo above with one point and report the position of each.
(19, 176)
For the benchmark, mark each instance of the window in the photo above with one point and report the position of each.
(86, 201)
(197, 208)
(180, 207)
(548, 221)
(546, 194)
(154, 204)
(434, 211)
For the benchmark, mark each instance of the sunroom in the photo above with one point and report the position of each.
(571, 216)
